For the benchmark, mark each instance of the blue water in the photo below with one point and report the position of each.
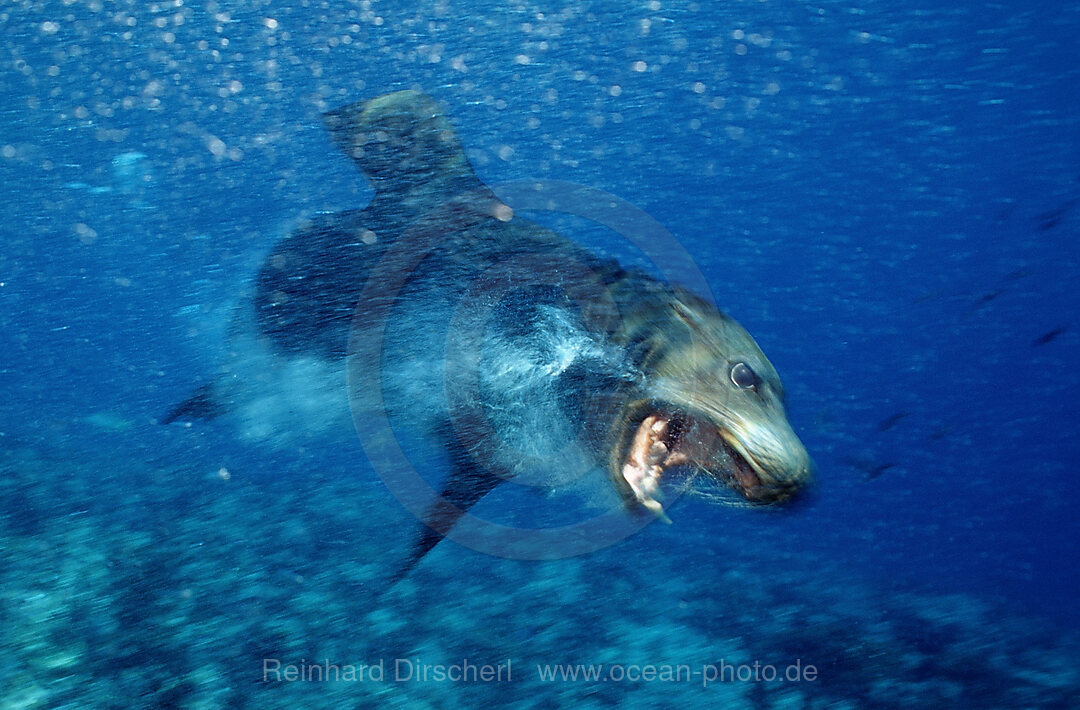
(887, 195)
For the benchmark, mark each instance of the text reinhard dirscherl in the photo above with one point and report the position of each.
(413, 670)
(401, 670)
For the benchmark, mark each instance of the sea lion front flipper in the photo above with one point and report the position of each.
(201, 405)
(466, 485)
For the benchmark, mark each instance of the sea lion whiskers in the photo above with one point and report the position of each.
(703, 484)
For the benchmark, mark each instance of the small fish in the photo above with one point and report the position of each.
(1048, 337)
(870, 468)
(989, 296)
(941, 432)
(876, 471)
(891, 421)
(1049, 220)
(983, 300)
(929, 296)
(1017, 274)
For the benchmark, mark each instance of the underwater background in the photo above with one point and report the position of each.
(887, 195)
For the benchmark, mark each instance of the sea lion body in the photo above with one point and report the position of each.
(514, 350)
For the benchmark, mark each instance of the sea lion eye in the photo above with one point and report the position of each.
(743, 376)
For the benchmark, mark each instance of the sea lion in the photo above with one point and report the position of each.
(522, 354)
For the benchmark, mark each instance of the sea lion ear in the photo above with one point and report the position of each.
(690, 316)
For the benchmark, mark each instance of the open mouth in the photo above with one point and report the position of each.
(663, 442)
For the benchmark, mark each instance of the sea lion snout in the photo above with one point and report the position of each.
(778, 464)
(757, 452)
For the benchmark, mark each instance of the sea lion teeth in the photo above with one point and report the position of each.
(677, 458)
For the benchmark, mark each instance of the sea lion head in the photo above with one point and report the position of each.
(711, 405)
(396, 139)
